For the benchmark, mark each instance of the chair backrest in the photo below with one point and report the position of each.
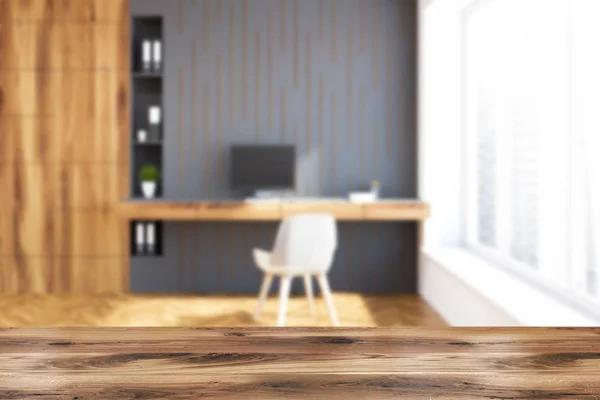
(306, 241)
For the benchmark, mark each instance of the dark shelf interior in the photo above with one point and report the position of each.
(148, 143)
(144, 28)
(147, 75)
(146, 93)
(146, 155)
(157, 250)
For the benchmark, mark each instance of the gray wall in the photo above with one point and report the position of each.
(337, 78)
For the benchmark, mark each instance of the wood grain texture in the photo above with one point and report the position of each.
(209, 311)
(409, 210)
(343, 211)
(64, 159)
(353, 363)
(248, 211)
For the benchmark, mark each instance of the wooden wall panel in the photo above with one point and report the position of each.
(63, 145)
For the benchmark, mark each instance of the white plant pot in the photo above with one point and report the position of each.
(148, 189)
(142, 136)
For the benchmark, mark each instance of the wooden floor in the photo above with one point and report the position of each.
(299, 363)
(194, 311)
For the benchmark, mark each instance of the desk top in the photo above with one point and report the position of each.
(273, 210)
(299, 363)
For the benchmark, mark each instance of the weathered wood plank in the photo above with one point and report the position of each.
(181, 363)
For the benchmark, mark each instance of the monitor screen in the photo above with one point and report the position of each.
(261, 167)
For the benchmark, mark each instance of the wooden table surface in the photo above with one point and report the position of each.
(305, 363)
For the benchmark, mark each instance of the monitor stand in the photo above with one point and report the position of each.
(268, 195)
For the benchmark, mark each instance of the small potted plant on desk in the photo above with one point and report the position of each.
(149, 178)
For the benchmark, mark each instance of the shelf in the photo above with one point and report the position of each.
(158, 209)
(155, 75)
(149, 143)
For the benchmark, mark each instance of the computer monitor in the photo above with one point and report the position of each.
(262, 167)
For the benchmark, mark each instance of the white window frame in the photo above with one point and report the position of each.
(572, 269)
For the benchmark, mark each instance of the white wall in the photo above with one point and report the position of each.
(458, 303)
(440, 122)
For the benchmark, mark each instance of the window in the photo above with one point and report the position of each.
(532, 125)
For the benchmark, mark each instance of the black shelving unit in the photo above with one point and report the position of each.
(146, 92)
(145, 249)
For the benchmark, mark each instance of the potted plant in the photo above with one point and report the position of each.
(148, 176)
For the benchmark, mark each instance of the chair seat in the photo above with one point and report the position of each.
(263, 261)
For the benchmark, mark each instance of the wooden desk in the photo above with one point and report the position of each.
(388, 210)
(295, 363)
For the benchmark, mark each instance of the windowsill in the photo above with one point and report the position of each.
(527, 304)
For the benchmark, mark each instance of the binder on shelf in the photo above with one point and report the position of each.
(157, 55)
(150, 238)
(154, 122)
(140, 238)
(146, 55)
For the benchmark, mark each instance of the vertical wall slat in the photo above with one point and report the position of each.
(257, 84)
(296, 33)
(270, 62)
(206, 26)
(194, 102)
(283, 26)
(334, 28)
(308, 92)
(206, 119)
(232, 84)
(219, 99)
(180, 107)
(350, 85)
(245, 58)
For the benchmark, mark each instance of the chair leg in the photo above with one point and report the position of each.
(284, 292)
(324, 284)
(309, 293)
(264, 291)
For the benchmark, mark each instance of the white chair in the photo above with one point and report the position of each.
(304, 246)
